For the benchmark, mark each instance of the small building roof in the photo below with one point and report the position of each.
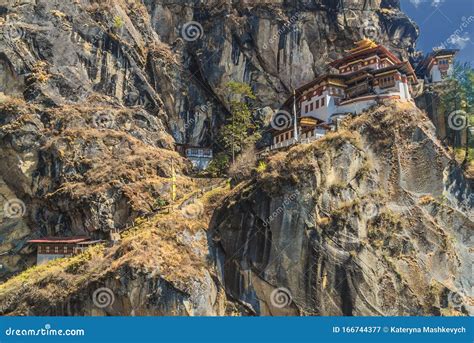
(97, 241)
(62, 240)
(426, 63)
(444, 52)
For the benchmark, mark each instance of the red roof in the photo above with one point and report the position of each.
(351, 57)
(65, 240)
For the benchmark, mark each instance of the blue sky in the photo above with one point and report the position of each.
(444, 23)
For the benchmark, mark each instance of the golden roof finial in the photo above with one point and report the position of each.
(363, 44)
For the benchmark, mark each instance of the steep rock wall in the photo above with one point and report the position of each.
(373, 220)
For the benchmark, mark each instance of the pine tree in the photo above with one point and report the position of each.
(240, 129)
(457, 94)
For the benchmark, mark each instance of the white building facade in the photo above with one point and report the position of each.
(368, 74)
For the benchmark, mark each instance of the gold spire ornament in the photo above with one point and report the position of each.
(362, 45)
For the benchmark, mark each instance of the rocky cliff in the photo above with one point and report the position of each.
(374, 219)
(93, 96)
(93, 91)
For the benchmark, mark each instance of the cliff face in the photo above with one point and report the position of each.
(372, 220)
(109, 84)
(93, 94)
(160, 267)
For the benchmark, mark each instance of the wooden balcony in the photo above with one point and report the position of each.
(358, 90)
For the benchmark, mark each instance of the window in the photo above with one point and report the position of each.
(311, 107)
(306, 109)
(56, 249)
(387, 82)
(317, 104)
(47, 249)
(322, 102)
(65, 250)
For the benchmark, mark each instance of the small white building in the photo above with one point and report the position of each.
(438, 66)
(200, 157)
(51, 248)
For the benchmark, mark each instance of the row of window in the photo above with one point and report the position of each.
(308, 134)
(336, 91)
(387, 81)
(284, 137)
(356, 66)
(443, 62)
(196, 152)
(47, 249)
(315, 105)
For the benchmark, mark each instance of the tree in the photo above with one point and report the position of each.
(244, 164)
(240, 130)
(457, 94)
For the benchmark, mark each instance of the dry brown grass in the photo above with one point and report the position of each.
(165, 246)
